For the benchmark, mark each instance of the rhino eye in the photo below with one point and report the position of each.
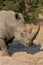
(21, 34)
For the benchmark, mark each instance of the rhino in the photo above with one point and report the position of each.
(12, 27)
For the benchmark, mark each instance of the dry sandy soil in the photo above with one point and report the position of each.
(25, 56)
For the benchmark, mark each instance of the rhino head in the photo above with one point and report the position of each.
(21, 35)
(26, 38)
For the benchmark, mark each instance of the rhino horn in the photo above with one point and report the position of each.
(32, 36)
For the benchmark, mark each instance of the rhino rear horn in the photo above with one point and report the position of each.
(33, 35)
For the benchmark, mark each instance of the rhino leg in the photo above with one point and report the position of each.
(3, 46)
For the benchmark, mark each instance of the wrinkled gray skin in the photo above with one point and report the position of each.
(12, 26)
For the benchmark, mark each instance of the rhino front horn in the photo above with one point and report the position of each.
(33, 35)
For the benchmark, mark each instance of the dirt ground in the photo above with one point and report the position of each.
(25, 56)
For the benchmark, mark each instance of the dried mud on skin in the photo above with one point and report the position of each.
(26, 56)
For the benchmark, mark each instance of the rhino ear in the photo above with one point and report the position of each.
(17, 16)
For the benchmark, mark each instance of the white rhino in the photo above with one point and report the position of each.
(12, 26)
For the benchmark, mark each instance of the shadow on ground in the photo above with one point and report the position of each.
(17, 47)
